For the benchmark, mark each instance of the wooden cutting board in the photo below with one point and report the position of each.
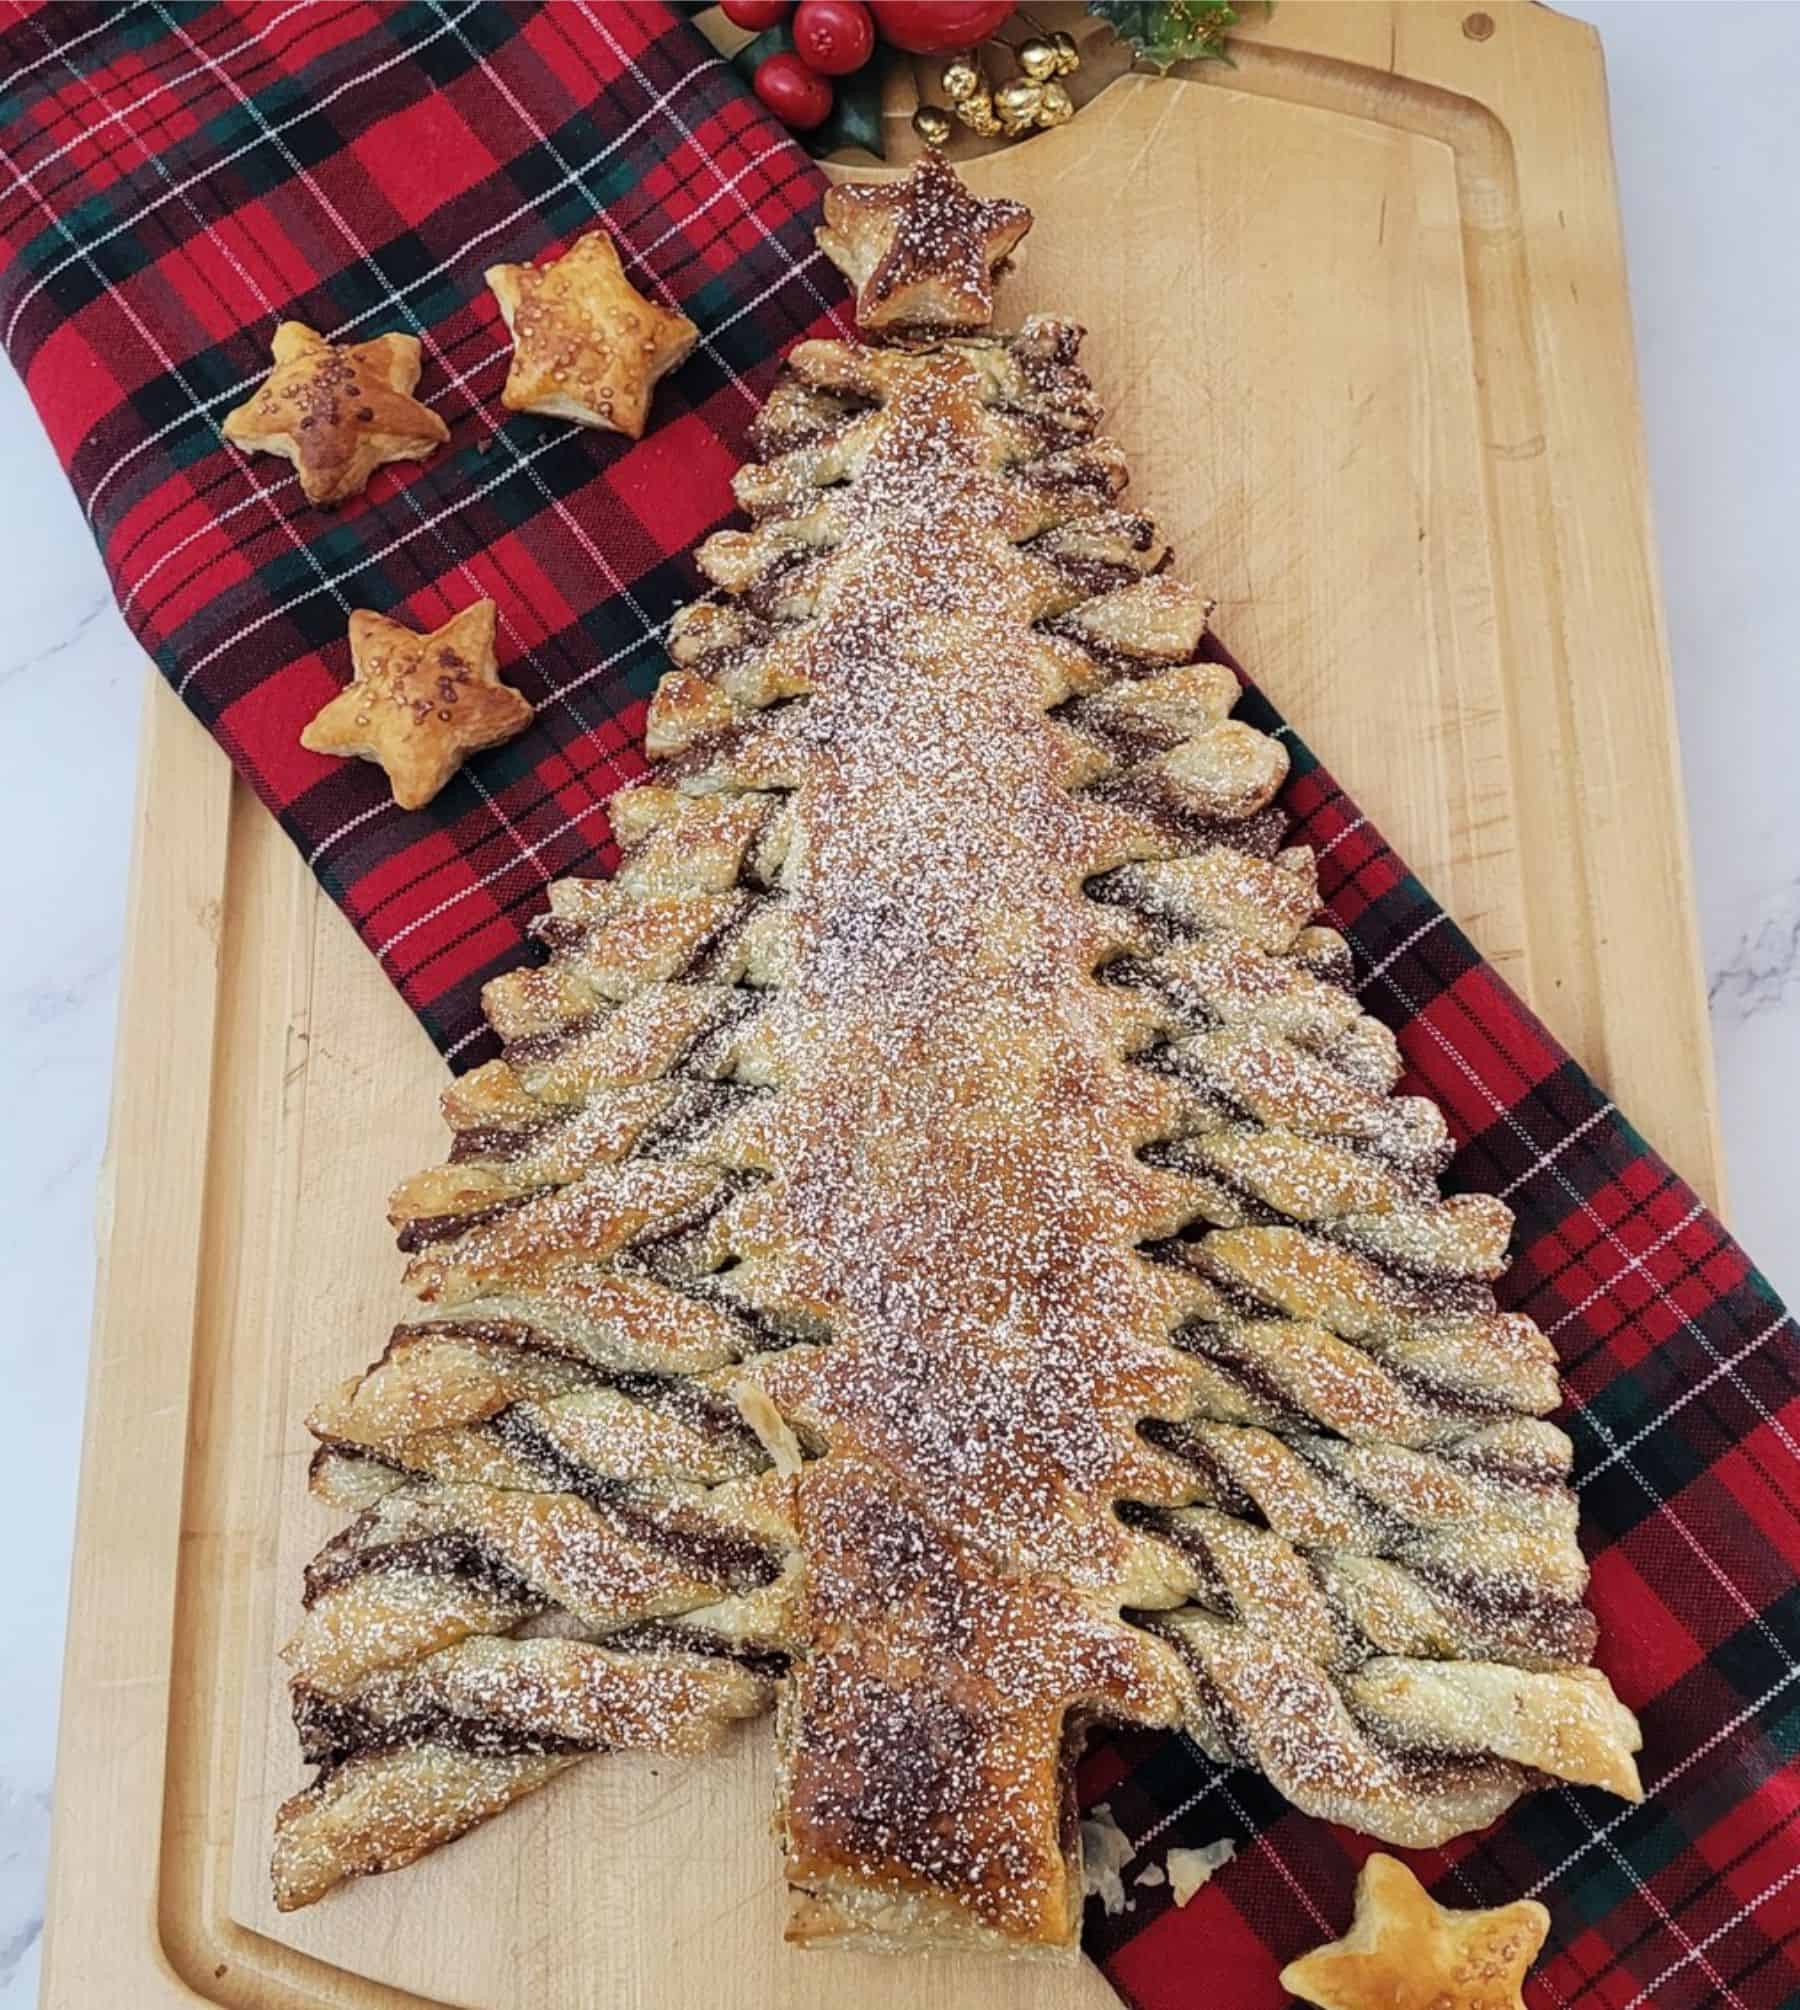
(1358, 311)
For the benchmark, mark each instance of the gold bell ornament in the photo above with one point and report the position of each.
(1068, 56)
(1017, 104)
(932, 124)
(1055, 106)
(962, 79)
(978, 114)
(1037, 59)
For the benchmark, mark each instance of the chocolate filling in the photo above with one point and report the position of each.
(1412, 1295)
(1235, 1205)
(1209, 1700)
(766, 591)
(342, 1448)
(707, 1050)
(560, 933)
(1523, 1617)
(445, 1553)
(702, 1410)
(1068, 1805)
(1450, 1291)
(761, 1334)
(1182, 1252)
(1123, 885)
(1165, 1057)
(1210, 1589)
(531, 1048)
(1425, 1772)
(1127, 737)
(1181, 1443)
(1208, 1340)
(706, 1414)
(511, 1333)
(1332, 965)
(332, 1733)
(1091, 576)
(694, 1109)
(735, 1008)
(1158, 799)
(774, 432)
(709, 956)
(434, 1228)
(667, 1249)
(1544, 1473)
(709, 1550)
(1406, 1270)
(1076, 480)
(707, 748)
(661, 1636)
(498, 1142)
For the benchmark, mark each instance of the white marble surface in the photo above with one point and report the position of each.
(1709, 162)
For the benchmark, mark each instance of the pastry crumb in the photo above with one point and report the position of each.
(1189, 1869)
(776, 1435)
(1105, 1851)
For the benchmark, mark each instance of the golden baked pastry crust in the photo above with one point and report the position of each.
(587, 345)
(941, 1235)
(417, 704)
(338, 411)
(1404, 1951)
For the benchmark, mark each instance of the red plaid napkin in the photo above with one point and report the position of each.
(181, 177)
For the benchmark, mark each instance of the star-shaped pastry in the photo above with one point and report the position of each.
(338, 413)
(1404, 1951)
(587, 345)
(418, 703)
(923, 252)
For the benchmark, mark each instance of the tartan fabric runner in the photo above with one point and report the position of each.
(178, 178)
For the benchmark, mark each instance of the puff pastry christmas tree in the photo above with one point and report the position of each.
(942, 1245)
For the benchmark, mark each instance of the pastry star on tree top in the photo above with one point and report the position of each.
(416, 704)
(1404, 1951)
(587, 345)
(922, 253)
(338, 413)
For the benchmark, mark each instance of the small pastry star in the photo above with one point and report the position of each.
(338, 413)
(923, 252)
(586, 345)
(1404, 1951)
(418, 703)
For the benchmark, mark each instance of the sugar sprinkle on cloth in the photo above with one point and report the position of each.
(180, 178)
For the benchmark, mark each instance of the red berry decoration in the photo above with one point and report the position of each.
(757, 14)
(835, 36)
(798, 97)
(922, 26)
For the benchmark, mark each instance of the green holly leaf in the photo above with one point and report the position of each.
(855, 119)
(748, 59)
(1183, 31)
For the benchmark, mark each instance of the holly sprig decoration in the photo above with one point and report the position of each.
(1180, 31)
(818, 65)
(854, 117)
